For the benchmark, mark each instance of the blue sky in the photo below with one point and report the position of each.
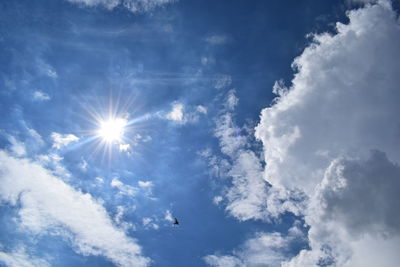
(270, 129)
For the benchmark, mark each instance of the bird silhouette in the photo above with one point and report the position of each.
(176, 222)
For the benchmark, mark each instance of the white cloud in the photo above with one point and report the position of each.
(83, 165)
(204, 60)
(223, 261)
(48, 205)
(140, 138)
(176, 113)
(340, 99)
(36, 136)
(354, 213)
(26, 142)
(45, 68)
(146, 221)
(120, 213)
(182, 115)
(124, 147)
(201, 109)
(317, 137)
(53, 162)
(40, 96)
(218, 167)
(149, 223)
(118, 218)
(375, 181)
(146, 138)
(265, 249)
(144, 5)
(146, 188)
(168, 216)
(124, 189)
(61, 140)
(231, 100)
(217, 200)
(362, 1)
(17, 147)
(217, 39)
(319, 133)
(132, 5)
(247, 198)
(21, 258)
(222, 81)
(146, 184)
(110, 4)
(229, 134)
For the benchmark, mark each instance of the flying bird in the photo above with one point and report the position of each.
(176, 222)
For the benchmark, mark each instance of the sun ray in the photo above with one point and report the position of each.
(112, 130)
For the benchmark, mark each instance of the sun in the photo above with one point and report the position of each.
(112, 130)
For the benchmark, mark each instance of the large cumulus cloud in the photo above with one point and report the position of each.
(343, 101)
(248, 196)
(333, 135)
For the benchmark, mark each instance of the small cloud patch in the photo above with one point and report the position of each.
(40, 96)
(61, 140)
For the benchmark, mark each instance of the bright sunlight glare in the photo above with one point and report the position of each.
(112, 129)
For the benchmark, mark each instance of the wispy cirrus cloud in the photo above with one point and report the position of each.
(123, 189)
(217, 39)
(132, 5)
(40, 96)
(61, 140)
(362, 1)
(264, 249)
(20, 258)
(46, 204)
(222, 81)
(332, 136)
(145, 184)
(248, 196)
(17, 147)
(182, 114)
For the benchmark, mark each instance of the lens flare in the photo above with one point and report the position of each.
(112, 130)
